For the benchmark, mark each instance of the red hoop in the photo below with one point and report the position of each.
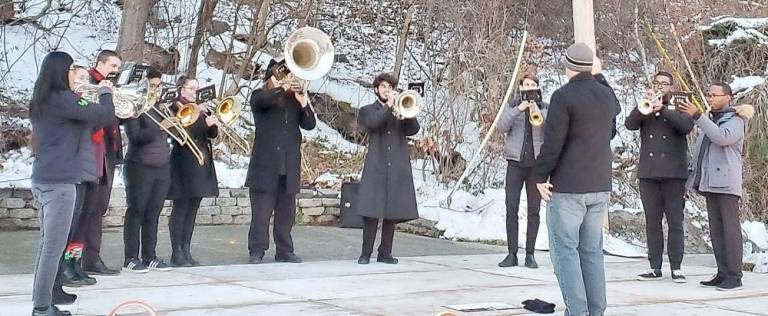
(146, 307)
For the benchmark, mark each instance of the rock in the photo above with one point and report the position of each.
(231, 210)
(217, 27)
(241, 219)
(331, 202)
(12, 203)
(23, 194)
(313, 211)
(208, 202)
(226, 202)
(239, 193)
(333, 211)
(204, 219)
(305, 193)
(303, 203)
(243, 202)
(6, 192)
(221, 219)
(3, 212)
(23, 213)
(209, 210)
(325, 220)
(117, 211)
(117, 193)
(224, 193)
(118, 202)
(232, 64)
(112, 221)
(328, 193)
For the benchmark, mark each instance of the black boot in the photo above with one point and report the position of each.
(178, 259)
(509, 261)
(69, 276)
(188, 256)
(51, 310)
(78, 268)
(59, 296)
(530, 261)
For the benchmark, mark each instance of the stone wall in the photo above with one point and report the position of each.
(232, 206)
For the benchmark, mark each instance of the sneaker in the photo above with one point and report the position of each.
(291, 258)
(678, 276)
(714, 281)
(51, 310)
(387, 260)
(135, 266)
(652, 274)
(729, 285)
(157, 264)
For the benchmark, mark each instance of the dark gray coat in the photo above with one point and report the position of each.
(512, 125)
(386, 188)
(721, 168)
(147, 142)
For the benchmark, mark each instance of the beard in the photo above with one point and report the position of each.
(381, 98)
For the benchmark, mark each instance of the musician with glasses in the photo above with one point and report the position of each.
(60, 120)
(717, 175)
(662, 172)
(147, 176)
(190, 180)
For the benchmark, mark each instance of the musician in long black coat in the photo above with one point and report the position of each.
(386, 188)
(190, 181)
(275, 168)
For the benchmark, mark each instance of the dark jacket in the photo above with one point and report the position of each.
(513, 124)
(386, 187)
(113, 141)
(147, 141)
(62, 137)
(663, 143)
(721, 162)
(277, 143)
(576, 154)
(188, 178)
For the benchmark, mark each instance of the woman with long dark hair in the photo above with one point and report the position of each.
(61, 127)
(190, 181)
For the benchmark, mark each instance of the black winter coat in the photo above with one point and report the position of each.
(663, 144)
(188, 178)
(147, 141)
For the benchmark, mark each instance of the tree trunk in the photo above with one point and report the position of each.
(204, 17)
(403, 40)
(584, 23)
(256, 40)
(130, 45)
(6, 11)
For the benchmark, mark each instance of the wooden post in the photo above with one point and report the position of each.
(584, 31)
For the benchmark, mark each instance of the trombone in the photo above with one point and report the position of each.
(227, 111)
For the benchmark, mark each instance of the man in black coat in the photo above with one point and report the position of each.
(386, 188)
(275, 168)
(662, 171)
(576, 158)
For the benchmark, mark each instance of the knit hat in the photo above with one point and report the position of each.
(578, 58)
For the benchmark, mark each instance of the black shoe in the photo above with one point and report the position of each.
(62, 298)
(178, 259)
(729, 285)
(69, 277)
(364, 260)
(50, 311)
(99, 268)
(717, 279)
(78, 268)
(135, 266)
(191, 261)
(530, 261)
(256, 259)
(292, 258)
(651, 275)
(678, 276)
(156, 264)
(509, 261)
(388, 260)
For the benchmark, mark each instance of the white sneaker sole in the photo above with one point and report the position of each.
(135, 271)
(649, 279)
(680, 280)
(733, 289)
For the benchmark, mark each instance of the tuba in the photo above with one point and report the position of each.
(309, 55)
(407, 105)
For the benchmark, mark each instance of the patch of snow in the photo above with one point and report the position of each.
(16, 169)
(743, 85)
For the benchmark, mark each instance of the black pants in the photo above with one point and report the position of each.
(516, 177)
(369, 236)
(664, 197)
(146, 188)
(725, 231)
(94, 205)
(263, 205)
(181, 223)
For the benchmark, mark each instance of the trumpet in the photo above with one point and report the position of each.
(407, 104)
(534, 115)
(646, 105)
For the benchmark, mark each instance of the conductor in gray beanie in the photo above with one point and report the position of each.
(573, 173)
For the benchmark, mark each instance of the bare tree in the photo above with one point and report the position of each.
(204, 17)
(6, 11)
(403, 38)
(133, 27)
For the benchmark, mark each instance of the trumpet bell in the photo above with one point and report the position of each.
(645, 107)
(228, 110)
(408, 104)
(536, 119)
(309, 53)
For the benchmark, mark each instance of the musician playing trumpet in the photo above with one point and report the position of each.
(662, 172)
(523, 140)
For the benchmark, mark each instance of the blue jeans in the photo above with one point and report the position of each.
(575, 224)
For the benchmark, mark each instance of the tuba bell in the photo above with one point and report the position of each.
(129, 100)
(407, 104)
(309, 53)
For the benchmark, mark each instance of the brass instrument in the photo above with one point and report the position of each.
(227, 111)
(186, 115)
(646, 105)
(128, 100)
(407, 104)
(309, 55)
(534, 115)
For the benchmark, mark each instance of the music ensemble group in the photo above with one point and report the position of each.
(558, 151)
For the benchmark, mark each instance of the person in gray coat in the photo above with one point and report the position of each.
(386, 187)
(61, 128)
(521, 147)
(717, 175)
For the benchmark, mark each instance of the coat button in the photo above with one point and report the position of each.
(389, 147)
(665, 120)
(389, 164)
(650, 136)
(664, 136)
(389, 132)
(278, 147)
(650, 154)
(663, 155)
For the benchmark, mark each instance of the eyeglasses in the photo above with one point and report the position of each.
(710, 95)
(658, 83)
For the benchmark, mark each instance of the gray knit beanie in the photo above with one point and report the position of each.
(578, 58)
